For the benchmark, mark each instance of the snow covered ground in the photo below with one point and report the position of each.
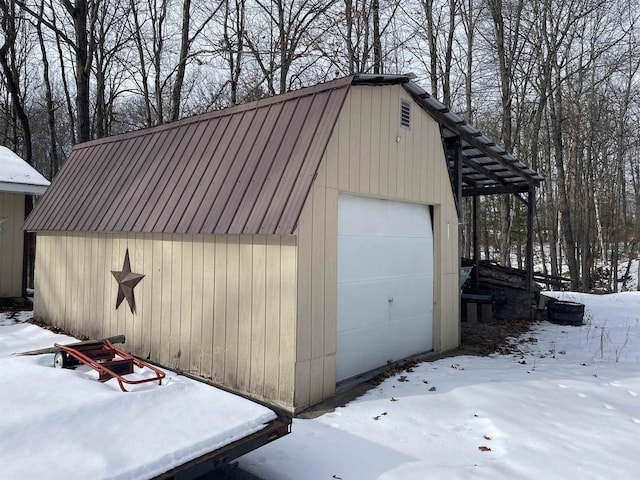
(567, 407)
(58, 423)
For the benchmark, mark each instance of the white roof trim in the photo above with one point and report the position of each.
(22, 188)
(17, 176)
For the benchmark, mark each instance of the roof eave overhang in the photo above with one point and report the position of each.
(472, 137)
(496, 190)
(24, 188)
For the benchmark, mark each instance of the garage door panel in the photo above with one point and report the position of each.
(367, 302)
(376, 217)
(385, 283)
(362, 304)
(388, 346)
(382, 257)
(412, 298)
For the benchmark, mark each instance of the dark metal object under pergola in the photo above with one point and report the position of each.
(477, 165)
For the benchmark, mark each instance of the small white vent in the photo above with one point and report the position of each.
(405, 114)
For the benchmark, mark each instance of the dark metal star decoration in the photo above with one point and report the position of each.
(127, 280)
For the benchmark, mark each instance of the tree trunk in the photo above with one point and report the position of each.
(176, 93)
(433, 49)
(51, 111)
(377, 41)
(79, 13)
(12, 76)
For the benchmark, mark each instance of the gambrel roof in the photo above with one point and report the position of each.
(242, 170)
(245, 169)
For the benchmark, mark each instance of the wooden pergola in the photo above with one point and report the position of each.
(478, 166)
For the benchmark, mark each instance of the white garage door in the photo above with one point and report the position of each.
(385, 283)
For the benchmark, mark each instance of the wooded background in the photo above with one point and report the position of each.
(554, 81)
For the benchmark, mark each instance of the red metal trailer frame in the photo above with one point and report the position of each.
(101, 356)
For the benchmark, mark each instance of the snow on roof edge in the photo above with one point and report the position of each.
(17, 176)
(26, 188)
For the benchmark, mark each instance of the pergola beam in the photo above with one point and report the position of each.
(495, 190)
(473, 140)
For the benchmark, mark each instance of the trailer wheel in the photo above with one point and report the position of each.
(60, 360)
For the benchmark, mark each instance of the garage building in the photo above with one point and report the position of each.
(286, 244)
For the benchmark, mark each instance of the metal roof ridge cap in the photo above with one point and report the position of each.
(385, 79)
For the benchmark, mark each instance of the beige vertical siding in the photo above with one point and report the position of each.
(222, 307)
(11, 244)
(370, 154)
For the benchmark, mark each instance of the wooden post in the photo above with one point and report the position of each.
(28, 206)
(457, 162)
(531, 206)
(476, 243)
(458, 179)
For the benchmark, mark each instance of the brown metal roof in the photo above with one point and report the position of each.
(246, 169)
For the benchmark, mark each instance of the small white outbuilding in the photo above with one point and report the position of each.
(18, 180)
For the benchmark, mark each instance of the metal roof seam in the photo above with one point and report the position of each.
(226, 184)
(232, 202)
(201, 195)
(164, 208)
(148, 200)
(297, 170)
(120, 210)
(228, 111)
(289, 142)
(185, 186)
(254, 212)
(193, 202)
(324, 130)
(252, 193)
(130, 201)
(45, 211)
(110, 185)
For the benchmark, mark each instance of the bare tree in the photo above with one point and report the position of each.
(233, 34)
(10, 69)
(295, 28)
(50, 107)
(84, 14)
